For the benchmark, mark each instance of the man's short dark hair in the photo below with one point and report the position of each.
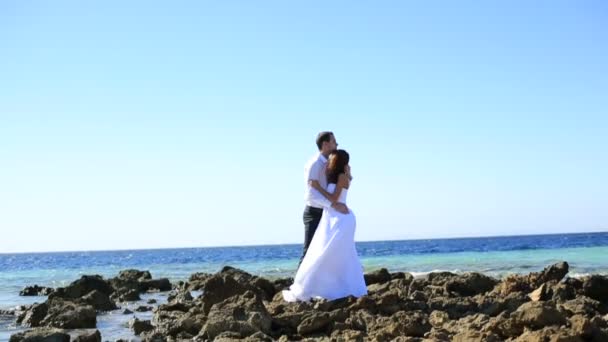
(323, 137)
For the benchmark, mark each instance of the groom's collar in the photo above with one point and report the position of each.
(322, 157)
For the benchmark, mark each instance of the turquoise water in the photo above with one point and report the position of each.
(582, 260)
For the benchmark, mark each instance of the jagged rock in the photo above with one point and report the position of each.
(91, 337)
(69, 315)
(180, 296)
(388, 303)
(537, 315)
(236, 273)
(176, 306)
(71, 307)
(282, 284)
(100, 301)
(126, 295)
(41, 335)
(492, 305)
(596, 287)
(530, 282)
(502, 326)
(555, 272)
(562, 292)
(582, 306)
(364, 303)
(314, 323)
(455, 307)
(82, 287)
(417, 284)
(398, 286)
(130, 283)
(192, 323)
(125, 285)
(552, 290)
(440, 278)
(263, 287)
(600, 322)
(7, 312)
(266, 286)
(438, 318)
(470, 284)
(539, 294)
(348, 335)
(414, 324)
(162, 284)
(582, 326)
(228, 336)
(244, 314)
(437, 334)
(36, 291)
(154, 336)
(402, 275)
(134, 275)
(139, 326)
(380, 276)
(529, 316)
(475, 336)
(197, 281)
(473, 322)
(33, 316)
(287, 322)
(168, 322)
(552, 334)
(329, 305)
(223, 286)
(419, 296)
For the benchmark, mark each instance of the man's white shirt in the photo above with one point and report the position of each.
(315, 170)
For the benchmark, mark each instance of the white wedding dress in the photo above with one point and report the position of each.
(331, 268)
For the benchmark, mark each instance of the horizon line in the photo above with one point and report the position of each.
(288, 244)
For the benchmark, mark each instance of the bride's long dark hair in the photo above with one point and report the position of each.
(338, 159)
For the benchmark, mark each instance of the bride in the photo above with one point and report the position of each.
(331, 268)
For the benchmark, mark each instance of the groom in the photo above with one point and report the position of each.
(314, 171)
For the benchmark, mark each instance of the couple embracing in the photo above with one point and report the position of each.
(329, 267)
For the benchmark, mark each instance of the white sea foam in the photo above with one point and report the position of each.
(578, 275)
(424, 274)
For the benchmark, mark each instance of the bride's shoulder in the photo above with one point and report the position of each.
(343, 179)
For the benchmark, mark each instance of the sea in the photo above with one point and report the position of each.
(586, 253)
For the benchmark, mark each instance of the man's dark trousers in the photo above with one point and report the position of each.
(312, 217)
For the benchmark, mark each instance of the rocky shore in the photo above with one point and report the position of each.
(235, 305)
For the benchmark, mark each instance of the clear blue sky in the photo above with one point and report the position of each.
(144, 124)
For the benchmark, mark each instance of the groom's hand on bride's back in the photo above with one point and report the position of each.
(340, 207)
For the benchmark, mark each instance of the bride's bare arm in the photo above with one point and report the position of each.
(343, 181)
(315, 184)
